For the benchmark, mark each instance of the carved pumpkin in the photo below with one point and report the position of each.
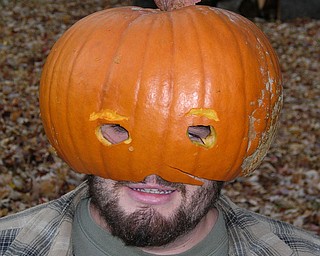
(194, 92)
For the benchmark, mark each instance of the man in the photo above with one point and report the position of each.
(155, 188)
(152, 217)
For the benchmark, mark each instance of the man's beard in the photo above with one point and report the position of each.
(146, 227)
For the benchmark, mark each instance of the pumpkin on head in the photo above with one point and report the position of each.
(193, 92)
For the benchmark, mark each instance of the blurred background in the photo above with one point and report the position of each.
(287, 184)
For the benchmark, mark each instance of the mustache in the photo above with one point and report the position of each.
(154, 179)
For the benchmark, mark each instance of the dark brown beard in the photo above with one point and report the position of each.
(146, 227)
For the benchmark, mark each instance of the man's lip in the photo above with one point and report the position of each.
(140, 193)
(150, 186)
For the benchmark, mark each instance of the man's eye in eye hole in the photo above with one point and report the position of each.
(202, 135)
(198, 133)
(114, 133)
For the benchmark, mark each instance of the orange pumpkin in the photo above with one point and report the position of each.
(194, 92)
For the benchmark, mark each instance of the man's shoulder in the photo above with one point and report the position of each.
(257, 232)
(18, 220)
(39, 221)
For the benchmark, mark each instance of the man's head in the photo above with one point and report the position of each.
(153, 212)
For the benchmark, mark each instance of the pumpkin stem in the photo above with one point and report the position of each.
(169, 5)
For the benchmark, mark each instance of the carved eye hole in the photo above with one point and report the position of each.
(110, 134)
(202, 135)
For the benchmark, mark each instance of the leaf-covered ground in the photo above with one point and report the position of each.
(285, 187)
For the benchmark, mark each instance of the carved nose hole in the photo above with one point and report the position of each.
(202, 135)
(110, 134)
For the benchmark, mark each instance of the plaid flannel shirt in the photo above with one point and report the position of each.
(46, 230)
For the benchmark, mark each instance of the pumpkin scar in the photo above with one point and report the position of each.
(184, 172)
(199, 180)
(252, 134)
(250, 163)
(176, 168)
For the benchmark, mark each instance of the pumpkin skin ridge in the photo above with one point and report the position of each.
(173, 99)
(168, 130)
(139, 97)
(247, 129)
(274, 65)
(231, 33)
(111, 69)
(226, 25)
(271, 57)
(248, 115)
(173, 21)
(74, 31)
(170, 92)
(135, 112)
(52, 137)
(73, 143)
(263, 60)
(202, 81)
(74, 63)
(113, 65)
(106, 84)
(174, 51)
(138, 84)
(244, 88)
(60, 54)
(271, 63)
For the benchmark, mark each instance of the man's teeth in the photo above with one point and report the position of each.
(153, 191)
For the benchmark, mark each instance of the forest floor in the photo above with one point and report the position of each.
(287, 184)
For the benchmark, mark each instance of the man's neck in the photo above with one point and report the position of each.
(180, 245)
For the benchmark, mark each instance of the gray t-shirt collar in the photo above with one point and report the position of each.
(89, 239)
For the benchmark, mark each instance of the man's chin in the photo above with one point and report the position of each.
(149, 228)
